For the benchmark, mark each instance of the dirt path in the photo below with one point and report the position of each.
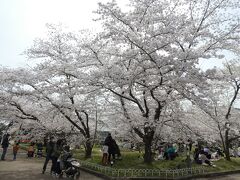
(29, 169)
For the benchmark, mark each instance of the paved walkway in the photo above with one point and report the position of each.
(227, 177)
(29, 168)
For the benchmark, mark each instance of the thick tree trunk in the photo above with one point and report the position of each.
(227, 153)
(88, 149)
(227, 146)
(148, 156)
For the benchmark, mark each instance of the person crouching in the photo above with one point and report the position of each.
(31, 150)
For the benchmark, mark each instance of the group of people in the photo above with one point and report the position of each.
(169, 151)
(31, 149)
(15, 147)
(53, 152)
(204, 155)
(201, 155)
(109, 150)
(5, 144)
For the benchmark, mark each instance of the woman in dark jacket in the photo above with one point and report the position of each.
(110, 142)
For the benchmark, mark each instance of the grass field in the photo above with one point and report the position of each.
(132, 159)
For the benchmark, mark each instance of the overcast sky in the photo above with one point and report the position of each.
(24, 20)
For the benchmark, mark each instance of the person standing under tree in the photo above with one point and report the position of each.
(49, 151)
(105, 155)
(58, 148)
(111, 148)
(117, 150)
(15, 150)
(5, 144)
(189, 145)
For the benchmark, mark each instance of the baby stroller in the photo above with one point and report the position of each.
(39, 149)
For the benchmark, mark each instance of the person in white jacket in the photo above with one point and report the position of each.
(105, 154)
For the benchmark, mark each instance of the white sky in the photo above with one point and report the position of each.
(24, 20)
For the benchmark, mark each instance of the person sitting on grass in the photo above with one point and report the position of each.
(204, 160)
(196, 155)
(207, 152)
(215, 156)
(171, 152)
(160, 153)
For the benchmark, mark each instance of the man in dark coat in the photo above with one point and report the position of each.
(49, 151)
(5, 144)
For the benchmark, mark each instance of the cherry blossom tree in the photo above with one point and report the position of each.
(148, 56)
(63, 79)
(24, 108)
(222, 108)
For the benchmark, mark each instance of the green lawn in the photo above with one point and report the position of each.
(223, 165)
(131, 160)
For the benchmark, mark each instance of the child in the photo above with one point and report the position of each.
(15, 150)
(31, 150)
(105, 154)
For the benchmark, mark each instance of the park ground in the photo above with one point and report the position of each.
(30, 169)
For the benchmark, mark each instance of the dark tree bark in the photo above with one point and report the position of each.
(148, 155)
(88, 149)
(227, 146)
